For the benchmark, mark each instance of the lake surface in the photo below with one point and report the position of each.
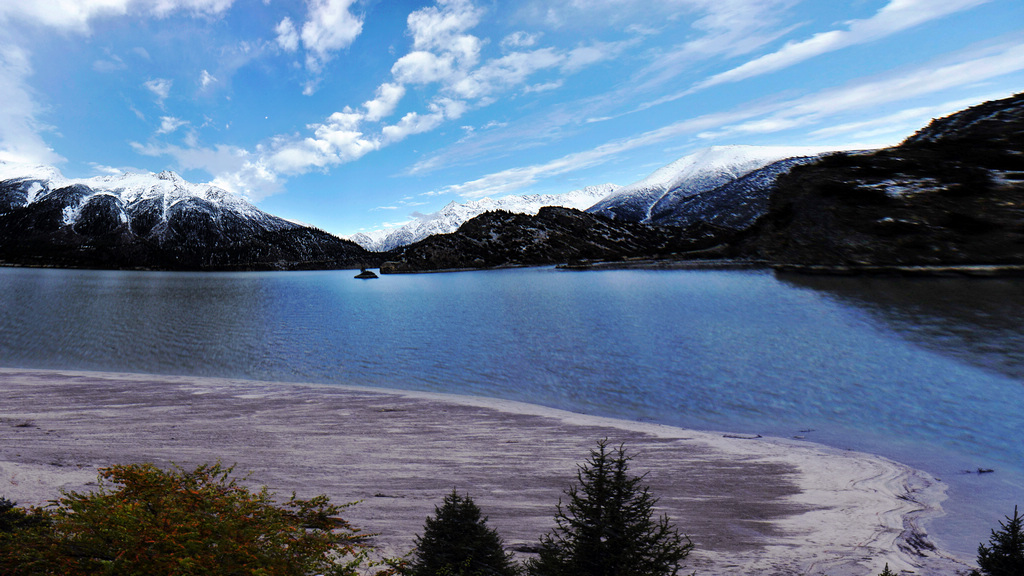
(929, 372)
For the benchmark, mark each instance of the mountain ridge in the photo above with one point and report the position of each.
(952, 194)
(655, 196)
(151, 221)
(454, 214)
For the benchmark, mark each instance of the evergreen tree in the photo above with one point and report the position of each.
(1005, 556)
(607, 526)
(887, 572)
(458, 542)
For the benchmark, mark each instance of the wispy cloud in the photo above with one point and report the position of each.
(963, 69)
(444, 60)
(75, 16)
(960, 70)
(19, 128)
(160, 87)
(896, 16)
(169, 124)
(206, 79)
(898, 124)
(112, 63)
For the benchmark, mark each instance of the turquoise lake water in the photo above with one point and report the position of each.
(929, 372)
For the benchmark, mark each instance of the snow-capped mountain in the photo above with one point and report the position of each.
(660, 194)
(148, 202)
(449, 218)
(735, 205)
(149, 221)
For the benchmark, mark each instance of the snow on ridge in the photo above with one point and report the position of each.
(454, 214)
(736, 159)
(131, 187)
(694, 173)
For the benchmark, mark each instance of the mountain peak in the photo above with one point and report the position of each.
(150, 221)
(454, 214)
(169, 175)
(697, 172)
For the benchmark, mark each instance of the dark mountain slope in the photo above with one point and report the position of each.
(155, 222)
(952, 194)
(735, 205)
(555, 235)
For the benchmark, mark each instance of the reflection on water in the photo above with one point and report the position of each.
(976, 320)
(926, 371)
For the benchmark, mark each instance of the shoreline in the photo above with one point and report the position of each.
(752, 506)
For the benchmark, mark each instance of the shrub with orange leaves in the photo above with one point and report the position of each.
(142, 520)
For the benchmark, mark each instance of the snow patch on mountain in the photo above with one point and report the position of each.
(449, 218)
(694, 174)
(27, 184)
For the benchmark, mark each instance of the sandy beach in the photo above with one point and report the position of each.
(751, 505)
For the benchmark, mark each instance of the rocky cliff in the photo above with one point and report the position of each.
(951, 194)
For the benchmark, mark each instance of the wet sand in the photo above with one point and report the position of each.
(751, 505)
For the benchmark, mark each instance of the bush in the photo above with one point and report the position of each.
(13, 519)
(607, 529)
(143, 520)
(1005, 554)
(458, 542)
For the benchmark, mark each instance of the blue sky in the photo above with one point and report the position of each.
(353, 115)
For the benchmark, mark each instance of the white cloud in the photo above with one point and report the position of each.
(965, 69)
(584, 56)
(19, 129)
(421, 67)
(112, 64)
(340, 138)
(519, 40)
(252, 180)
(329, 27)
(899, 123)
(104, 170)
(287, 35)
(545, 87)
(387, 99)
(205, 79)
(442, 51)
(733, 27)
(161, 87)
(415, 123)
(234, 169)
(509, 70)
(439, 27)
(169, 124)
(894, 17)
(75, 15)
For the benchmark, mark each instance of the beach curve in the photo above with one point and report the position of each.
(751, 505)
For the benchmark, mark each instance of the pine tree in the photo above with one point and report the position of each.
(456, 541)
(607, 529)
(887, 572)
(1005, 556)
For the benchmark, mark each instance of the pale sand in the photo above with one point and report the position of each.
(751, 506)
